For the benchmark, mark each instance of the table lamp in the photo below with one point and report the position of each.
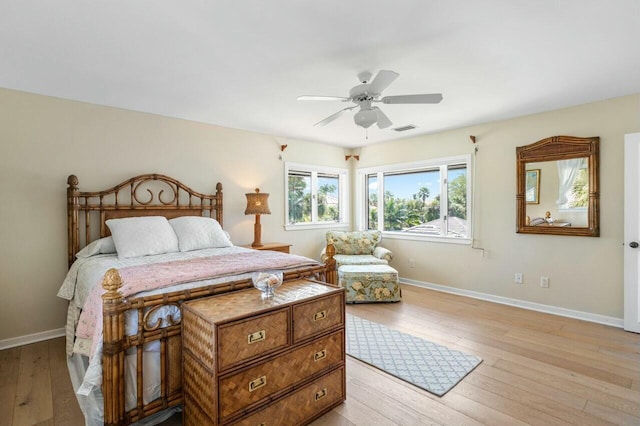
(257, 203)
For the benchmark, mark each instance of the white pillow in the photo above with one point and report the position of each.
(102, 246)
(142, 236)
(198, 232)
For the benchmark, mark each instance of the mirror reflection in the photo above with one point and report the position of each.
(557, 187)
(557, 193)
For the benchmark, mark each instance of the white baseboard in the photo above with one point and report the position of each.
(548, 309)
(31, 338)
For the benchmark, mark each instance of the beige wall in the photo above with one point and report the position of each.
(585, 273)
(45, 139)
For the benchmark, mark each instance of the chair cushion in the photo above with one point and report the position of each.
(357, 259)
(354, 242)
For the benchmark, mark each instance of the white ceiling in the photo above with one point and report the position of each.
(243, 63)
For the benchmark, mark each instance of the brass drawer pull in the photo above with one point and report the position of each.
(320, 315)
(320, 355)
(321, 394)
(257, 336)
(257, 383)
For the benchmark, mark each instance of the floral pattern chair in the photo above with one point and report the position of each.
(357, 248)
(362, 266)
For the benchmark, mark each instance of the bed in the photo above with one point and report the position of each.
(123, 324)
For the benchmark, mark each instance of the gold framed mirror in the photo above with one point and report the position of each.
(565, 188)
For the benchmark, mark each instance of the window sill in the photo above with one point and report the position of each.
(573, 209)
(429, 238)
(317, 225)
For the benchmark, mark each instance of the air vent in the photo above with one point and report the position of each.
(405, 128)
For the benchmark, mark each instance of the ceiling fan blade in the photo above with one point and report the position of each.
(383, 121)
(432, 98)
(382, 80)
(321, 98)
(332, 117)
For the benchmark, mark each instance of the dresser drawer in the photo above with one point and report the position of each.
(250, 338)
(317, 316)
(303, 405)
(261, 382)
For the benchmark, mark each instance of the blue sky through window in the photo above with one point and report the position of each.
(405, 185)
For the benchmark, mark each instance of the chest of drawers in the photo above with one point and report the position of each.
(264, 362)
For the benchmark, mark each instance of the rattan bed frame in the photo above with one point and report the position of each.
(145, 195)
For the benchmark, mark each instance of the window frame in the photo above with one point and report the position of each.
(441, 163)
(343, 196)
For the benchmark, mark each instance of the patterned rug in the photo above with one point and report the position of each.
(434, 368)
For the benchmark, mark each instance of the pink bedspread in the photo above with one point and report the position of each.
(141, 278)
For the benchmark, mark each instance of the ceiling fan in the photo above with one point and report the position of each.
(368, 92)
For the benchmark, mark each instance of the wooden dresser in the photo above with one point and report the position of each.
(275, 362)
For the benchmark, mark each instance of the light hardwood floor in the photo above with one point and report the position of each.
(537, 369)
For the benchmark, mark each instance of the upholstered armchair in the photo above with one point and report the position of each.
(357, 248)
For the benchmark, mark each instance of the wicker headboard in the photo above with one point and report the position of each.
(143, 195)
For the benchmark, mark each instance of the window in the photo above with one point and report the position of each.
(316, 196)
(573, 188)
(422, 200)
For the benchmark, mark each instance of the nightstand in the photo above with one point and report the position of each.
(282, 247)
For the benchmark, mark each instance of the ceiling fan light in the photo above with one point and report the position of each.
(365, 118)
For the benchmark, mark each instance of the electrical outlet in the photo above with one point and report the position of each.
(544, 282)
(412, 263)
(518, 279)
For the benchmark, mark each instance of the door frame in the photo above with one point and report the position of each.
(631, 231)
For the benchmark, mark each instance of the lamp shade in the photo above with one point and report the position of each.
(257, 203)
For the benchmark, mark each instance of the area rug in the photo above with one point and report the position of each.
(432, 367)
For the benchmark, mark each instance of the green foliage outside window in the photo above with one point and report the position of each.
(580, 190)
(458, 197)
(327, 211)
(299, 199)
(400, 213)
